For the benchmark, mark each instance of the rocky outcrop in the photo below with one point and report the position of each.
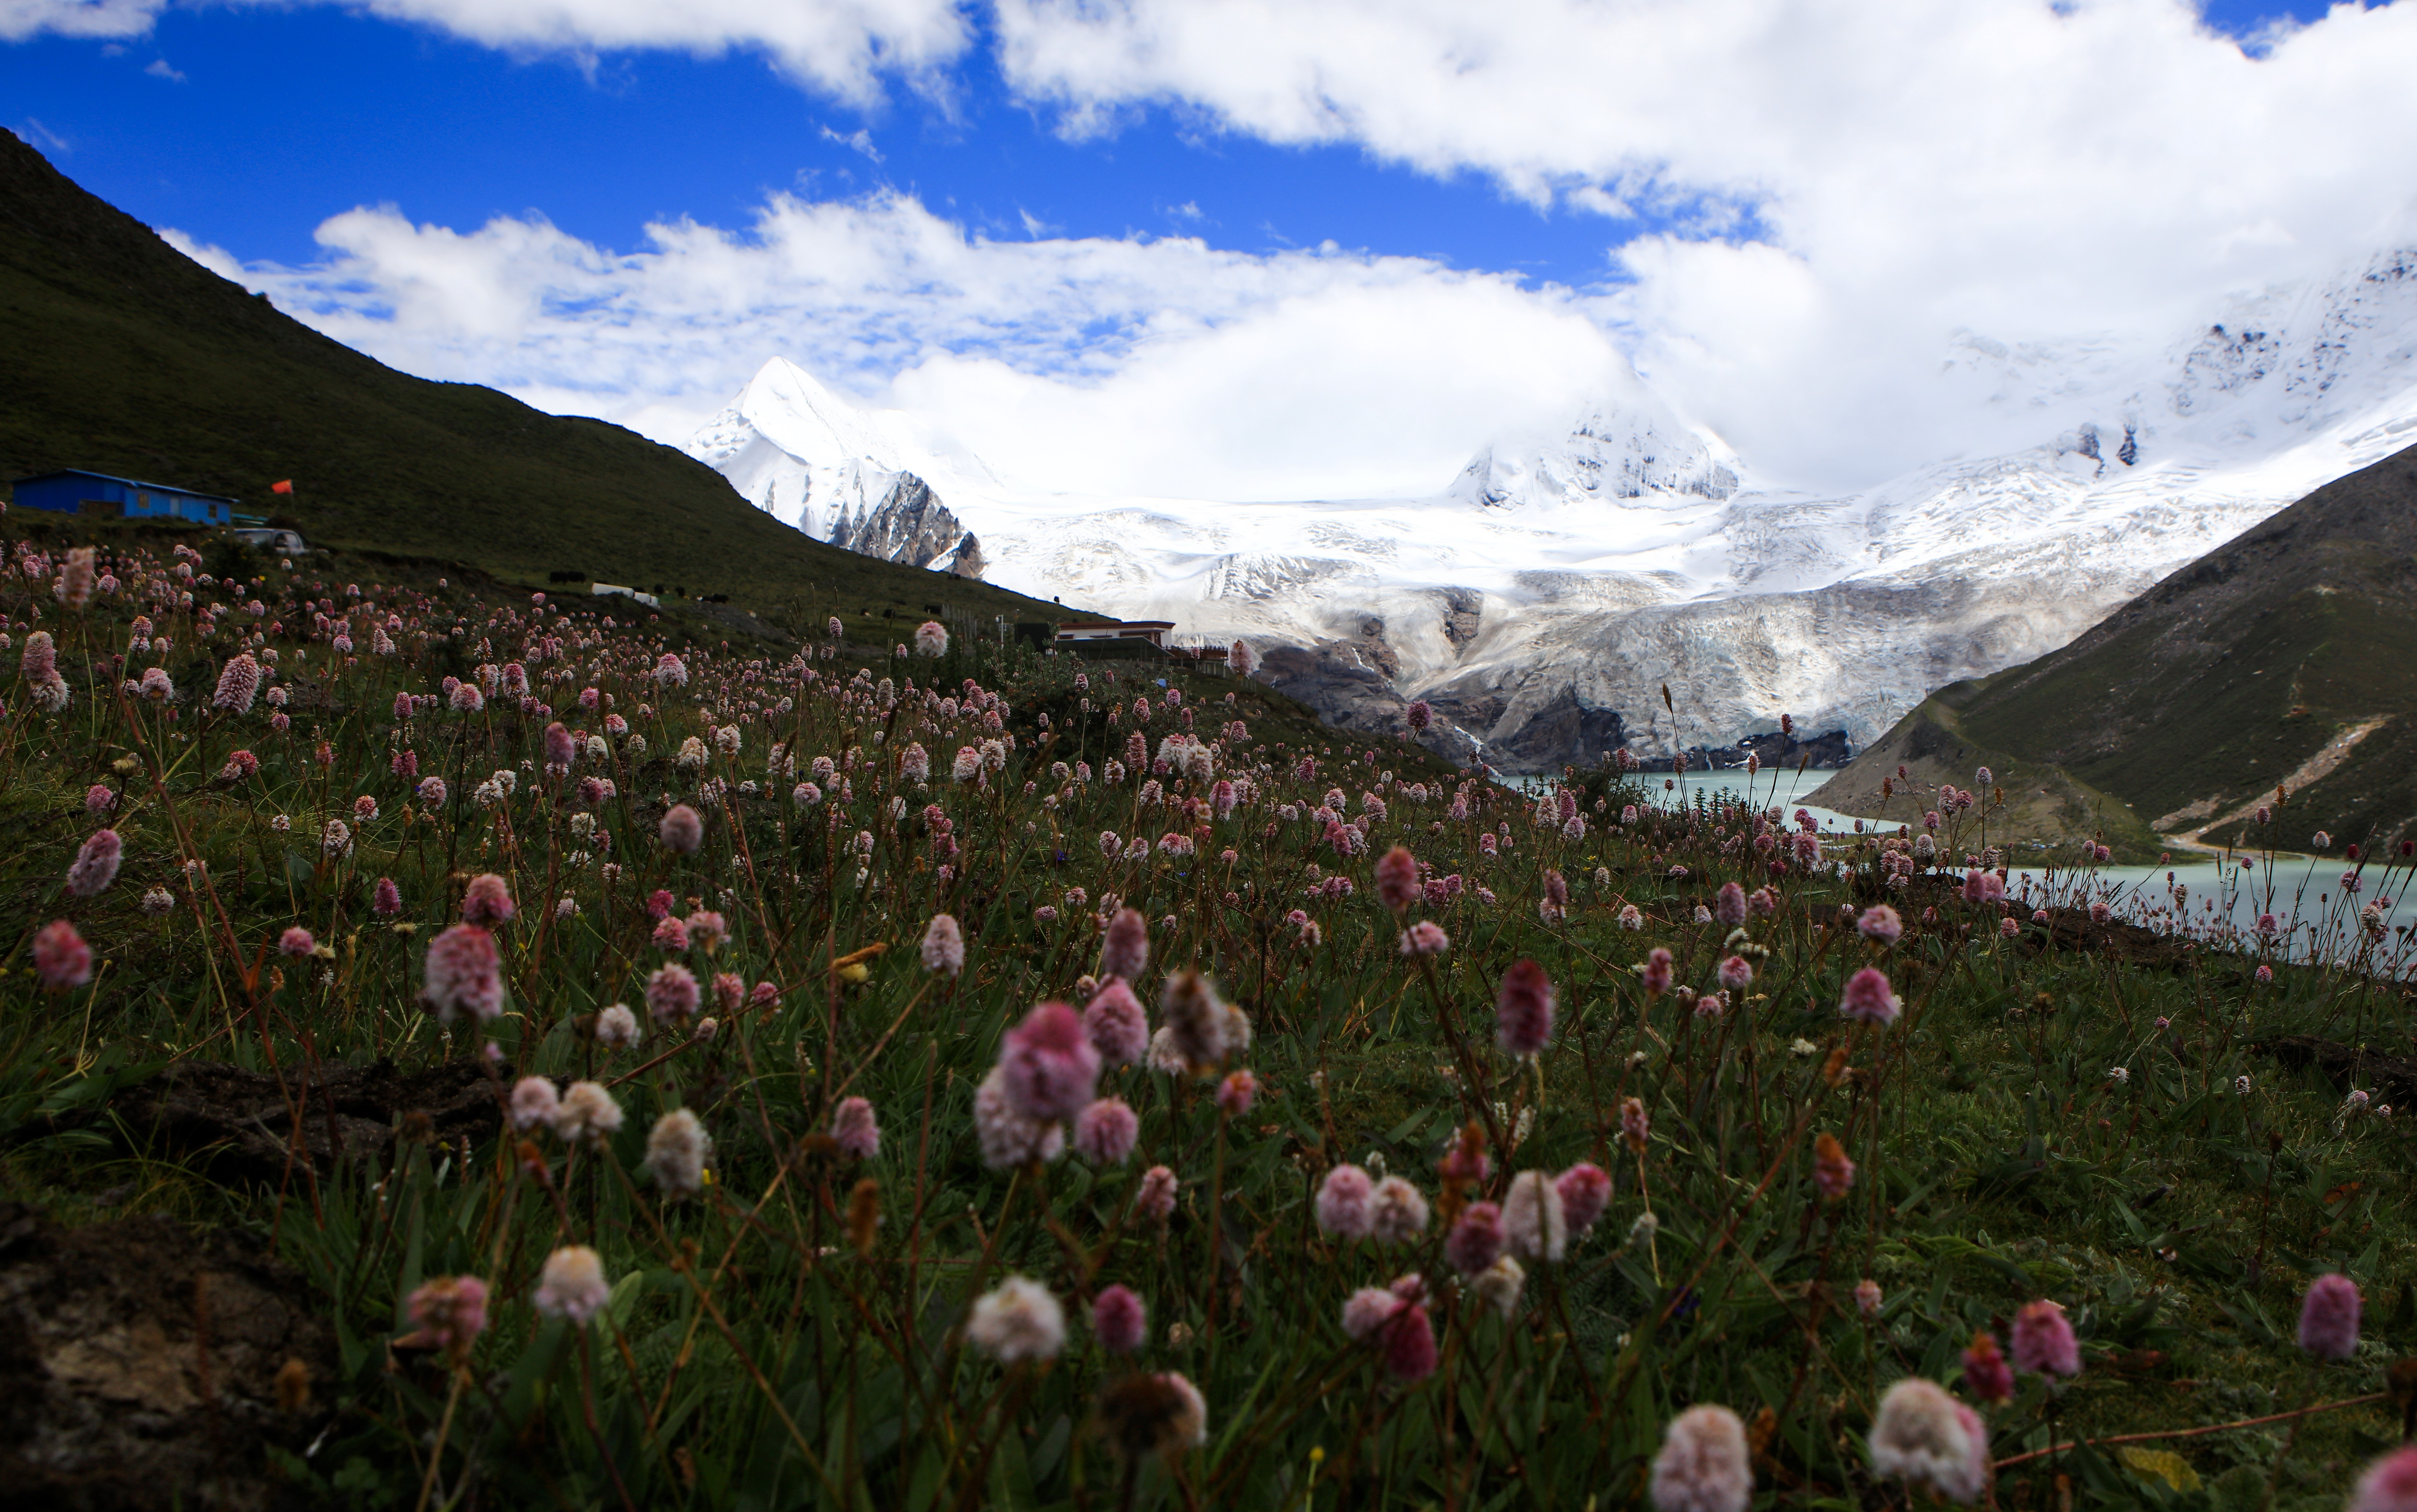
(1348, 683)
(911, 525)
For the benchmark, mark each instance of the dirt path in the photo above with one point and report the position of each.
(2322, 764)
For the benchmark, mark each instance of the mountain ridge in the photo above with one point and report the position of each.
(1564, 577)
(2286, 659)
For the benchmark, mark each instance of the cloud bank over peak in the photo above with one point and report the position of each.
(1091, 364)
(1804, 204)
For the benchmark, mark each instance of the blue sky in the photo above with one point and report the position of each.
(1780, 220)
(247, 127)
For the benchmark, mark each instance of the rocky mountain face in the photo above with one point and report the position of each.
(858, 479)
(912, 526)
(2287, 659)
(1541, 600)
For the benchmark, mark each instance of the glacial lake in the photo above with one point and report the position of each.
(2219, 898)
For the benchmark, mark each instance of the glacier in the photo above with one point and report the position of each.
(1542, 598)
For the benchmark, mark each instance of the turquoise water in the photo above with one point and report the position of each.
(2199, 894)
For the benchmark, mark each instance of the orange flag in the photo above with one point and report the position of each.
(286, 486)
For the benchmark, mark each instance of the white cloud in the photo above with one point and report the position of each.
(1851, 183)
(21, 18)
(162, 69)
(843, 48)
(1096, 365)
(859, 141)
(1904, 168)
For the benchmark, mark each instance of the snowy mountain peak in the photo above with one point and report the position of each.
(1541, 600)
(801, 452)
(1631, 449)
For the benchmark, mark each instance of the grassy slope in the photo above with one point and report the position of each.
(2174, 1217)
(2045, 807)
(2224, 678)
(125, 356)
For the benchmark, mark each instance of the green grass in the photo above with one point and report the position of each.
(752, 1354)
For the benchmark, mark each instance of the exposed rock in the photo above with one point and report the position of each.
(1346, 683)
(244, 1123)
(1775, 748)
(1464, 615)
(912, 526)
(140, 1363)
(1565, 731)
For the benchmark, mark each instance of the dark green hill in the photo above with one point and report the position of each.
(2286, 657)
(121, 354)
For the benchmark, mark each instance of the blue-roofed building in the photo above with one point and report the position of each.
(121, 498)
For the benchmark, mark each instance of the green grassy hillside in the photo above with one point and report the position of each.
(2287, 657)
(123, 356)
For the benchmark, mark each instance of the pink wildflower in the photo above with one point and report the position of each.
(944, 945)
(856, 1129)
(1397, 879)
(1737, 974)
(1410, 1344)
(61, 959)
(1870, 998)
(1105, 1131)
(1342, 1205)
(1834, 1174)
(2329, 1318)
(1476, 1239)
(1236, 1094)
(1051, 1067)
(1635, 1124)
(1533, 1220)
(1119, 1321)
(1125, 951)
(1119, 1026)
(682, 829)
(1424, 938)
(1703, 1466)
(238, 684)
(1008, 1137)
(1929, 1439)
(2044, 1341)
(1867, 1297)
(1397, 1214)
(1585, 1192)
(463, 973)
(1882, 924)
(296, 942)
(448, 1312)
(1523, 1014)
(95, 863)
(2390, 1484)
(1368, 1310)
(671, 934)
(386, 899)
(1155, 1197)
(672, 992)
(487, 901)
(1656, 974)
(535, 1101)
(1986, 1375)
(98, 799)
(1730, 906)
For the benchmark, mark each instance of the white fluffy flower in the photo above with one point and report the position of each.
(1017, 1320)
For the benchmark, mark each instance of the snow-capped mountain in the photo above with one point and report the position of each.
(1542, 598)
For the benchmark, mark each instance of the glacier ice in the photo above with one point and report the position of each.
(1565, 578)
